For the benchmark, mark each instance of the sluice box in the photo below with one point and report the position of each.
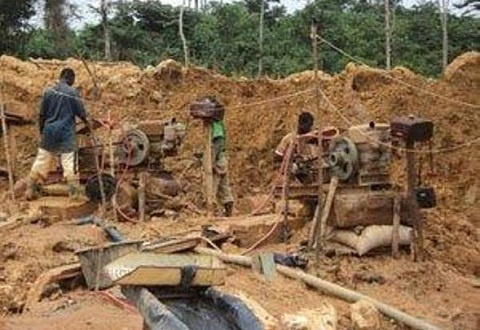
(150, 269)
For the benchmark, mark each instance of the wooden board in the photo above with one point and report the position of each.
(248, 230)
(165, 269)
(172, 246)
(180, 244)
(264, 263)
(359, 207)
(64, 207)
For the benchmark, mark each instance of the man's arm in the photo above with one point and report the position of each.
(280, 151)
(80, 111)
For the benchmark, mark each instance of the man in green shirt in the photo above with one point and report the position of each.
(221, 184)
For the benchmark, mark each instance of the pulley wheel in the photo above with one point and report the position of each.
(136, 146)
(343, 158)
(92, 187)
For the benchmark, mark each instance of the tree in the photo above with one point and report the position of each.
(226, 37)
(14, 15)
(443, 8)
(260, 38)
(388, 35)
(56, 13)
(55, 18)
(104, 8)
(182, 36)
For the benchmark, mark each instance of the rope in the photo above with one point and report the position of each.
(283, 172)
(425, 91)
(253, 104)
(280, 175)
(246, 105)
(432, 151)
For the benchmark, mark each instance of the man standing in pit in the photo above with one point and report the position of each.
(303, 150)
(60, 106)
(221, 183)
(304, 153)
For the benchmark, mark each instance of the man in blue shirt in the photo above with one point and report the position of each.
(60, 106)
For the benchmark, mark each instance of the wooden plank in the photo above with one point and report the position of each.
(325, 213)
(249, 230)
(413, 209)
(64, 207)
(141, 197)
(396, 226)
(181, 244)
(268, 266)
(50, 276)
(172, 246)
(165, 269)
(59, 189)
(208, 167)
(312, 236)
(7, 152)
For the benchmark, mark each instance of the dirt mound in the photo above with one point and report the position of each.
(464, 69)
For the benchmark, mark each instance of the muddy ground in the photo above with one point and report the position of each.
(442, 289)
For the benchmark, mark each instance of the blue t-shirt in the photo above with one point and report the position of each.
(60, 106)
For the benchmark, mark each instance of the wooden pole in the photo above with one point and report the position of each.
(208, 167)
(141, 197)
(95, 141)
(112, 164)
(322, 238)
(7, 152)
(396, 225)
(314, 228)
(413, 210)
(99, 173)
(327, 287)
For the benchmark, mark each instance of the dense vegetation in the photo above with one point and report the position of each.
(226, 36)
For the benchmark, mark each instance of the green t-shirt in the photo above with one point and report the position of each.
(218, 138)
(218, 129)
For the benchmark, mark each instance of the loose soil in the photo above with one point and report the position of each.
(259, 112)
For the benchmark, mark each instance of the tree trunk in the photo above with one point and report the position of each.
(443, 7)
(182, 35)
(260, 58)
(388, 35)
(55, 20)
(106, 30)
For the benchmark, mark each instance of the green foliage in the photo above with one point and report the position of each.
(225, 37)
(14, 15)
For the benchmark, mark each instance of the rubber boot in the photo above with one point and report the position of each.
(228, 209)
(33, 190)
